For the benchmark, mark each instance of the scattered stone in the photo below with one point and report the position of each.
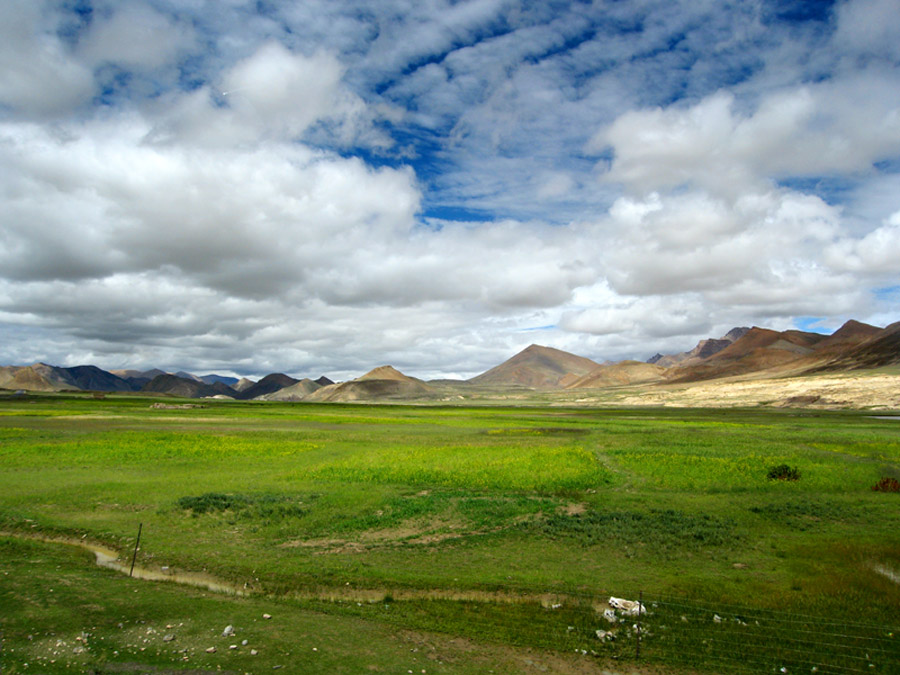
(610, 615)
(740, 566)
(168, 637)
(253, 652)
(605, 635)
(229, 630)
(232, 646)
(717, 618)
(267, 616)
(210, 650)
(630, 607)
(244, 642)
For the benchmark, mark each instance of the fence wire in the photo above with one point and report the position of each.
(677, 631)
(730, 638)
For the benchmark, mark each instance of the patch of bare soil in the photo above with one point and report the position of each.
(410, 533)
(575, 509)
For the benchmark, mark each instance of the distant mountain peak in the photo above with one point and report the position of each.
(384, 373)
(537, 366)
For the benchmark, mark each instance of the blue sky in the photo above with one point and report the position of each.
(324, 187)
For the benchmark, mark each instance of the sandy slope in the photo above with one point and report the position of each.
(875, 390)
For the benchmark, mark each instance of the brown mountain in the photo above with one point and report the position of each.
(181, 386)
(92, 378)
(242, 384)
(851, 333)
(703, 350)
(268, 385)
(620, 374)
(294, 392)
(26, 377)
(382, 383)
(758, 349)
(538, 367)
(137, 378)
(43, 377)
(876, 350)
(385, 373)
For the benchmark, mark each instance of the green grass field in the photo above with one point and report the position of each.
(486, 538)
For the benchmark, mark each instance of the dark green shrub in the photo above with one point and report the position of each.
(212, 501)
(783, 472)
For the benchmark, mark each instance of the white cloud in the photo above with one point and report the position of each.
(38, 76)
(274, 95)
(874, 254)
(822, 129)
(867, 27)
(134, 35)
(100, 200)
(222, 206)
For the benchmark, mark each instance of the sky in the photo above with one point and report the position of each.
(326, 186)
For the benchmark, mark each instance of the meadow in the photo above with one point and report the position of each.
(483, 538)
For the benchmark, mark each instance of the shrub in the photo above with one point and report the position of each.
(887, 484)
(783, 472)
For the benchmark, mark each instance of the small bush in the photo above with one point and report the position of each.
(887, 484)
(264, 506)
(783, 472)
(212, 501)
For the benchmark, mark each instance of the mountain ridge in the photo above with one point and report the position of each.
(743, 352)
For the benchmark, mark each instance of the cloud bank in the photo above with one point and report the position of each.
(315, 188)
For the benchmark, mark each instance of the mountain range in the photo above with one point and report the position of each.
(742, 353)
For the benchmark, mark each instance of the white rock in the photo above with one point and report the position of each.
(631, 607)
(605, 635)
(229, 630)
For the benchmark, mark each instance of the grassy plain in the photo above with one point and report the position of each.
(459, 528)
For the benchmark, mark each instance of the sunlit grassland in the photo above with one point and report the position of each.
(295, 498)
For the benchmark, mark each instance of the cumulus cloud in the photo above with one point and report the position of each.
(866, 27)
(38, 76)
(314, 188)
(810, 130)
(248, 221)
(875, 253)
(134, 35)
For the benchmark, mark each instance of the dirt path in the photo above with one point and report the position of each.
(110, 559)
